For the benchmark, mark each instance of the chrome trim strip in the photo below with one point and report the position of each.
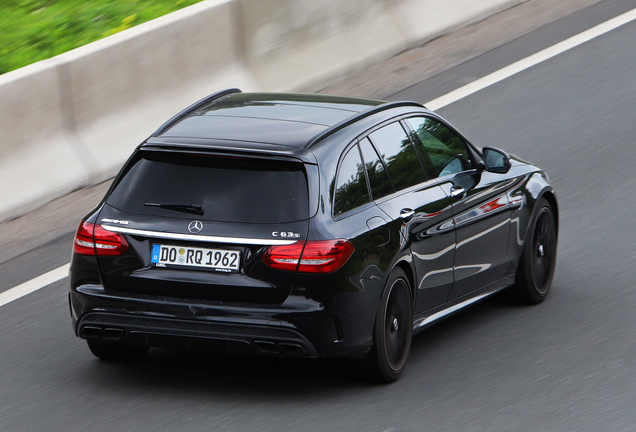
(450, 310)
(200, 238)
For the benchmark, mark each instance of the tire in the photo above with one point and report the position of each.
(538, 259)
(114, 351)
(392, 332)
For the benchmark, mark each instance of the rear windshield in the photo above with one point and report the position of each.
(228, 189)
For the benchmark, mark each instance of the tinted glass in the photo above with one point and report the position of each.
(399, 155)
(446, 151)
(228, 189)
(351, 188)
(378, 177)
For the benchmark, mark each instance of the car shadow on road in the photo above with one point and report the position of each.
(263, 377)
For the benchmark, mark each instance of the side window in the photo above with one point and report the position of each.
(395, 147)
(378, 177)
(351, 186)
(446, 151)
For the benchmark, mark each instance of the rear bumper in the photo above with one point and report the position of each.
(300, 327)
(211, 336)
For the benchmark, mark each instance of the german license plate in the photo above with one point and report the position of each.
(221, 260)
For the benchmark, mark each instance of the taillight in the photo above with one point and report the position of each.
(92, 239)
(314, 256)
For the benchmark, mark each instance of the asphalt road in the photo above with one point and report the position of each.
(565, 365)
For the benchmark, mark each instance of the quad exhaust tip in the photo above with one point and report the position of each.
(92, 332)
(285, 348)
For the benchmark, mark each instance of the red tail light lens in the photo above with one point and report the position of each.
(317, 256)
(92, 239)
(83, 243)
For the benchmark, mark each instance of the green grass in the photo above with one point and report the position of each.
(33, 30)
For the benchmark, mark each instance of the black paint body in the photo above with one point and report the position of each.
(452, 249)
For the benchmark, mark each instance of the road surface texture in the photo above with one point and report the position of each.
(565, 365)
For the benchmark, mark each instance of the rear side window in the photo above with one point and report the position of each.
(446, 151)
(351, 187)
(399, 155)
(228, 189)
(378, 177)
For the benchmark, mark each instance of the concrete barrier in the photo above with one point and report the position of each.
(71, 121)
(298, 43)
(39, 160)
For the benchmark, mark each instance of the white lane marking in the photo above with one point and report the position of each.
(533, 60)
(61, 272)
(34, 284)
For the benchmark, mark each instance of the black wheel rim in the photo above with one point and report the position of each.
(543, 250)
(396, 326)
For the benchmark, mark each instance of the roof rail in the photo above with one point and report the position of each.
(210, 98)
(362, 114)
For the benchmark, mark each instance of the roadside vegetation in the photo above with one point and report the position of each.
(34, 30)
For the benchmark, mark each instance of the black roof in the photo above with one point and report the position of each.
(280, 119)
(274, 118)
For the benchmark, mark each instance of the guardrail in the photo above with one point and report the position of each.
(71, 121)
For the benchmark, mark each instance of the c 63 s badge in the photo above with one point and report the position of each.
(285, 234)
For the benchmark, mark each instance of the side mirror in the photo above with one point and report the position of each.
(496, 161)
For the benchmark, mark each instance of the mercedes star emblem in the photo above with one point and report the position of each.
(195, 227)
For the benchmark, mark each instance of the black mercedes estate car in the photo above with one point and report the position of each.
(307, 226)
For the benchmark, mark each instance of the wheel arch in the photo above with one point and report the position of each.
(551, 198)
(408, 271)
(528, 289)
(548, 193)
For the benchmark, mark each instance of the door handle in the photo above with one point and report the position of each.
(406, 214)
(457, 192)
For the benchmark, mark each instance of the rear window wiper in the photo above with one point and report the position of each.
(186, 208)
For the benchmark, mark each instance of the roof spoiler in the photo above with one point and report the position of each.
(366, 113)
(206, 100)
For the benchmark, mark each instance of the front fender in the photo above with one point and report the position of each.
(531, 190)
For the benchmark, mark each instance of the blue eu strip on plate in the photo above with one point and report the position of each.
(156, 250)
